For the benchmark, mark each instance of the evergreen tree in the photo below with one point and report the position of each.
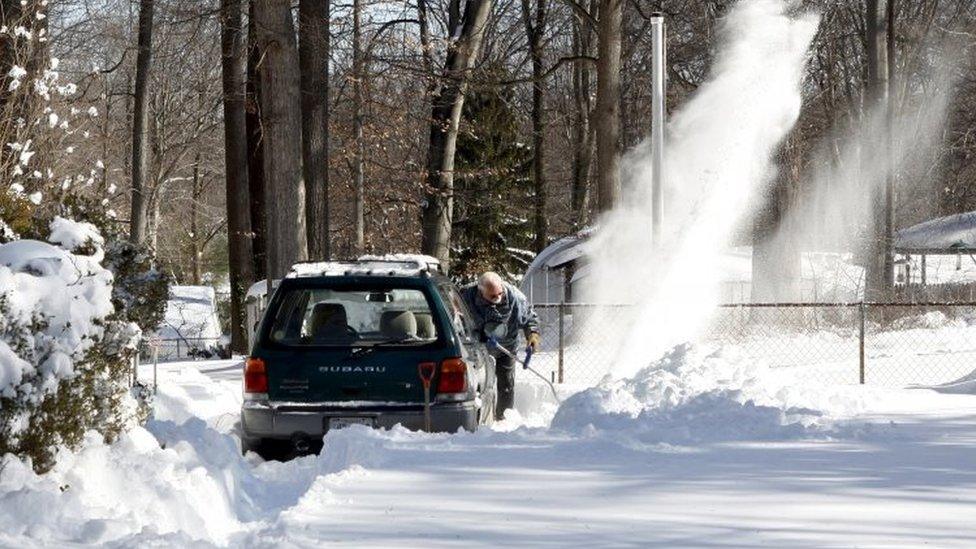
(493, 194)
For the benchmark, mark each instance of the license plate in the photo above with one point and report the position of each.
(342, 422)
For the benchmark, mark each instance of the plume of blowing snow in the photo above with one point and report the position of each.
(849, 171)
(718, 151)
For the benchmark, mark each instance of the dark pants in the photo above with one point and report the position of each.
(505, 374)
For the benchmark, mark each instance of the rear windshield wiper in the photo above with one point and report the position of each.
(359, 351)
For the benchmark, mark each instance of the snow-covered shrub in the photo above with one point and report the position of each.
(140, 291)
(64, 354)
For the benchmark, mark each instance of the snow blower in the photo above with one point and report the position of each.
(494, 344)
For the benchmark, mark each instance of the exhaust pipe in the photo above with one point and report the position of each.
(300, 445)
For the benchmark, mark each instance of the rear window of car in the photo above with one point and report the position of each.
(353, 317)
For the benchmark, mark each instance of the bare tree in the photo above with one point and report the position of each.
(313, 59)
(447, 103)
(140, 124)
(282, 135)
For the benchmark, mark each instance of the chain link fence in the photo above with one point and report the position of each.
(182, 348)
(885, 344)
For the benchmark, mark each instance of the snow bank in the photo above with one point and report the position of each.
(104, 492)
(182, 482)
(692, 396)
(965, 385)
(172, 483)
(930, 321)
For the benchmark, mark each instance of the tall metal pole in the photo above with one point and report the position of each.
(658, 53)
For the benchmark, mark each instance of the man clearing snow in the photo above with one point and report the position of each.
(500, 310)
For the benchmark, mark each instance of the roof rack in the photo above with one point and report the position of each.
(393, 265)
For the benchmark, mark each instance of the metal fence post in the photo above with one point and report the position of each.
(562, 316)
(155, 356)
(862, 309)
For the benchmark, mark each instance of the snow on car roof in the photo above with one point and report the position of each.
(415, 258)
(369, 265)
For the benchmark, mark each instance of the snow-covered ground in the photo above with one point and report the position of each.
(190, 322)
(704, 449)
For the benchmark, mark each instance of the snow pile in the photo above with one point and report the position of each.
(692, 396)
(105, 492)
(53, 302)
(930, 320)
(177, 480)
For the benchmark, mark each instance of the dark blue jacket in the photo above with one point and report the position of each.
(514, 313)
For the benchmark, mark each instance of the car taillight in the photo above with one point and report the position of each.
(453, 378)
(255, 376)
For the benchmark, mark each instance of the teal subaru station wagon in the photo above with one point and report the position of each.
(377, 342)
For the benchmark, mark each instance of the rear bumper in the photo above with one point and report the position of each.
(288, 421)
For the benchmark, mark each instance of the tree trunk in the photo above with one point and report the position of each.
(446, 105)
(313, 59)
(195, 249)
(255, 154)
(535, 33)
(583, 131)
(358, 74)
(608, 104)
(235, 164)
(140, 124)
(888, 238)
(875, 98)
(282, 132)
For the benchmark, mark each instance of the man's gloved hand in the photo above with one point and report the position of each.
(534, 341)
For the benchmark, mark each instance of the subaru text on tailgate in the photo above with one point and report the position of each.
(345, 343)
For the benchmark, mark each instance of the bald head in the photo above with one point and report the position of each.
(491, 287)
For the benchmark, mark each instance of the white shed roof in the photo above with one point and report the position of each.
(949, 233)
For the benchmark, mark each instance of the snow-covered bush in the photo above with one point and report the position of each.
(140, 290)
(64, 354)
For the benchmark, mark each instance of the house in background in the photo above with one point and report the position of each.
(936, 259)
